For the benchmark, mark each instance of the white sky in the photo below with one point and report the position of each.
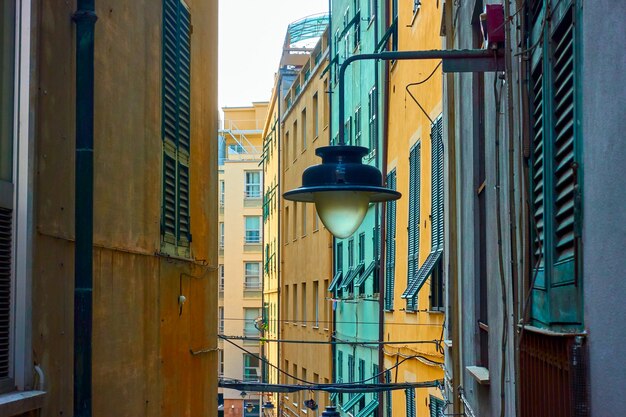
(251, 35)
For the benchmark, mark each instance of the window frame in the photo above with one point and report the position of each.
(247, 285)
(248, 233)
(250, 186)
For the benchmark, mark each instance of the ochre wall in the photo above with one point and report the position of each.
(142, 365)
(407, 126)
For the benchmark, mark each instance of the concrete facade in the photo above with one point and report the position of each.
(152, 354)
(241, 253)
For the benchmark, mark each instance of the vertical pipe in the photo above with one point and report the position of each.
(85, 19)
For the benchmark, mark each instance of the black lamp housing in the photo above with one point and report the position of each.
(342, 169)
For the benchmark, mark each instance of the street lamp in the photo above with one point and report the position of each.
(341, 186)
(268, 409)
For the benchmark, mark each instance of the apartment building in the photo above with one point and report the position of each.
(241, 251)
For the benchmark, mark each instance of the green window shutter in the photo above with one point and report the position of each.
(184, 233)
(176, 123)
(414, 219)
(555, 167)
(184, 77)
(410, 402)
(436, 407)
(169, 198)
(390, 245)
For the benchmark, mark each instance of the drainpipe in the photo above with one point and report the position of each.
(85, 19)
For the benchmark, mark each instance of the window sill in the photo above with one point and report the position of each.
(303, 325)
(316, 327)
(480, 374)
(21, 402)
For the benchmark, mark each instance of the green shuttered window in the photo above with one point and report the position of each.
(436, 407)
(390, 245)
(414, 219)
(555, 166)
(176, 127)
(410, 402)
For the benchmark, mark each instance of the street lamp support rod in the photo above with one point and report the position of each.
(454, 60)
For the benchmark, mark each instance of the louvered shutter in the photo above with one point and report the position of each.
(169, 198)
(170, 73)
(176, 122)
(390, 245)
(440, 181)
(555, 194)
(6, 258)
(414, 219)
(410, 402)
(184, 233)
(184, 78)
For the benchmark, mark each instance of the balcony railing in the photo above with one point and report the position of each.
(252, 238)
(252, 286)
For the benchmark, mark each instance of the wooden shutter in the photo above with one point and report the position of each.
(388, 395)
(390, 245)
(410, 402)
(184, 76)
(169, 198)
(414, 219)
(6, 258)
(555, 167)
(184, 234)
(176, 122)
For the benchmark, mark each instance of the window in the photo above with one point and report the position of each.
(220, 369)
(362, 248)
(316, 303)
(221, 235)
(221, 278)
(339, 257)
(287, 147)
(253, 229)
(285, 304)
(253, 184)
(287, 226)
(304, 129)
(220, 313)
(303, 221)
(294, 142)
(555, 165)
(357, 126)
(222, 192)
(252, 276)
(351, 253)
(373, 110)
(350, 368)
(326, 305)
(436, 286)
(7, 190)
(347, 131)
(176, 125)
(294, 305)
(236, 148)
(303, 296)
(251, 368)
(316, 221)
(250, 316)
(371, 9)
(410, 401)
(436, 406)
(346, 38)
(316, 116)
(390, 243)
(326, 103)
(414, 218)
(388, 398)
(294, 225)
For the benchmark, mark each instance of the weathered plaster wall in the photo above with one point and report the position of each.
(142, 365)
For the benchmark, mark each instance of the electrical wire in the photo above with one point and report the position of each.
(314, 383)
(498, 100)
(297, 322)
(323, 342)
(418, 83)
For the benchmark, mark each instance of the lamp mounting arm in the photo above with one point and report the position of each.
(454, 60)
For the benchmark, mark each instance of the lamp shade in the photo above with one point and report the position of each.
(342, 188)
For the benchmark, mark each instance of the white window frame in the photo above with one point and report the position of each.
(247, 331)
(248, 238)
(247, 285)
(252, 189)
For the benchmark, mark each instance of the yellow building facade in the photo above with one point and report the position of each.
(240, 250)
(413, 277)
(306, 259)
